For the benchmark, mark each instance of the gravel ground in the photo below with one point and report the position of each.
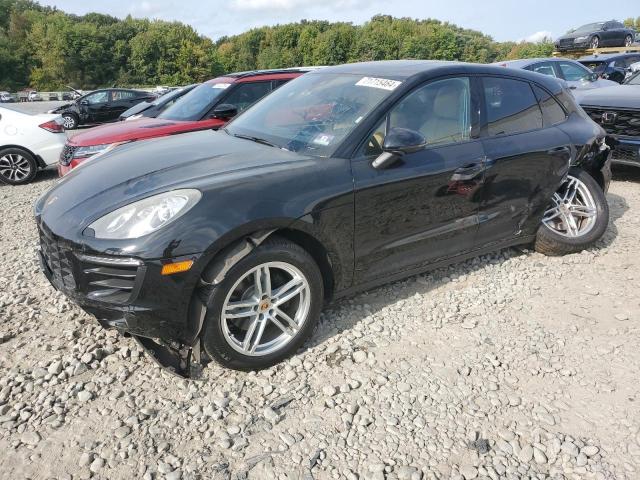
(512, 365)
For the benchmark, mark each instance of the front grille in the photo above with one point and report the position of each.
(626, 154)
(67, 154)
(625, 122)
(99, 278)
(58, 261)
(566, 42)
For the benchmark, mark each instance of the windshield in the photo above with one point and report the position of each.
(313, 113)
(193, 105)
(167, 97)
(589, 27)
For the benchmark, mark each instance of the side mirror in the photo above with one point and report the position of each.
(398, 142)
(224, 111)
(84, 102)
(592, 77)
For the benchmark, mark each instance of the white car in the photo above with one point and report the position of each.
(28, 143)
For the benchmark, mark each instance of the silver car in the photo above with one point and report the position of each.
(574, 73)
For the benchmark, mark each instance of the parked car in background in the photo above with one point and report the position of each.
(595, 35)
(617, 110)
(574, 73)
(612, 66)
(344, 179)
(153, 108)
(208, 106)
(100, 106)
(5, 97)
(34, 97)
(28, 143)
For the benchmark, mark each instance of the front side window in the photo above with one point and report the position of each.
(545, 68)
(246, 94)
(572, 72)
(314, 113)
(511, 106)
(552, 112)
(98, 97)
(193, 105)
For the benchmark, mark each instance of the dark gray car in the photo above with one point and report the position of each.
(595, 35)
(617, 110)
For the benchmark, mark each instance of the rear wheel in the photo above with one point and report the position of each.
(69, 121)
(17, 166)
(628, 40)
(595, 42)
(264, 309)
(577, 217)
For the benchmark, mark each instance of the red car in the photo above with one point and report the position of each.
(210, 105)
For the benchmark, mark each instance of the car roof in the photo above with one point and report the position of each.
(523, 62)
(251, 73)
(424, 69)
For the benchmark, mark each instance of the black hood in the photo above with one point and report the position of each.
(618, 96)
(63, 108)
(141, 169)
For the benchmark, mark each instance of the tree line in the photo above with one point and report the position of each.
(45, 48)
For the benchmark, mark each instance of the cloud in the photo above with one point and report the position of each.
(291, 5)
(537, 37)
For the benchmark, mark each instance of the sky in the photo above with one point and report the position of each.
(502, 19)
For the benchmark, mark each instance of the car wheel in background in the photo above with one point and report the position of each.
(69, 121)
(264, 309)
(595, 42)
(577, 217)
(628, 41)
(17, 166)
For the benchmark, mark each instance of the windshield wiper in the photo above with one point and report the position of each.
(254, 139)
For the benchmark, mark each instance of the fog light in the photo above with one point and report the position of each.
(171, 268)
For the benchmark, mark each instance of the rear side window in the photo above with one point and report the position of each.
(545, 68)
(511, 107)
(123, 95)
(552, 112)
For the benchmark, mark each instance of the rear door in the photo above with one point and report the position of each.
(425, 206)
(526, 160)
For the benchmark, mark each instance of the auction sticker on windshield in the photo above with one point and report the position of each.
(323, 139)
(383, 83)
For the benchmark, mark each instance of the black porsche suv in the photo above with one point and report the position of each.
(341, 180)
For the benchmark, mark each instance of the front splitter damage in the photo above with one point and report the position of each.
(183, 361)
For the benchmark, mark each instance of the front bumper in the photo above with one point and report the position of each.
(565, 47)
(626, 151)
(129, 294)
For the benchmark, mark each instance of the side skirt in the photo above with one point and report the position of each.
(432, 266)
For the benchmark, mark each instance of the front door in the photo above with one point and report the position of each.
(525, 159)
(95, 107)
(425, 206)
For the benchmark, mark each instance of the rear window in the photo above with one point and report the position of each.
(552, 112)
(511, 106)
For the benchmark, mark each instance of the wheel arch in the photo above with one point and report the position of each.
(38, 159)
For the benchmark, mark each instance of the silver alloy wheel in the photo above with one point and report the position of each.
(573, 212)
(628, 41)
(68, 121)
(266, 308)
(14, 167)
(595, 42)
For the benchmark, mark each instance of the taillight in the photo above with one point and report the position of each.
(52, 126)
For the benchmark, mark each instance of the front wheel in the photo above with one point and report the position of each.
(264, 309)
(595, 42)
(628, 41)
(577, 217)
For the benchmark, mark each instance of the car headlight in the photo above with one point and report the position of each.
(580, 39)
(145, 216)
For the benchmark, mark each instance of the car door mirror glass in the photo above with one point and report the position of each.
(592, 77)
(403, 140)
(224, 111)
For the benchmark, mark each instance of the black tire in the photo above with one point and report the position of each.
(595, 42)
(70, 121)
(552, 243)
(275, 249)
(17, 166)
(628, 41)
